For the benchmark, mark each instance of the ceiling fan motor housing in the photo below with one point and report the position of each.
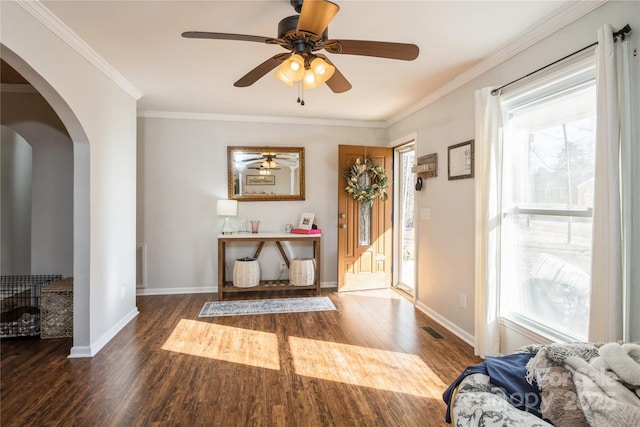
(288, 30)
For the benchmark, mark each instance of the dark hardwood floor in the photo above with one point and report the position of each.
(369, 363)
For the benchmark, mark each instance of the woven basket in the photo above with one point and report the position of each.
(302, 272)
(56, 309)
(246, 274)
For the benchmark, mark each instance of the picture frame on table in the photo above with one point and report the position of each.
(461, 158)
(306, 221)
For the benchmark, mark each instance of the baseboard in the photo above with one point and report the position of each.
(95, 347)
(176, 291)
(80, 351)
(200, 290)
(324, 285)
(453, 328)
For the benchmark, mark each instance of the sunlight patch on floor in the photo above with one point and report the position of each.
(365, 367)
(226, 343)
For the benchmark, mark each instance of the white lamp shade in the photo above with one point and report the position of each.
(227, 207)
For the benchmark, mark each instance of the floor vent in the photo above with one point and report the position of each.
(434, 334)
(141, 266)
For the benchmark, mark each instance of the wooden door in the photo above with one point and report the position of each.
(364, 234)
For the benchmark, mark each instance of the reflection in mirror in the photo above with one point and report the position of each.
(265, 173)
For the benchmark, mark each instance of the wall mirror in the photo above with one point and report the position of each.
(265, 173)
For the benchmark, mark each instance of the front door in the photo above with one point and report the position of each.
(365, 257)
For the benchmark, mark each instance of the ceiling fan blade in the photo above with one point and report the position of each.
(316, 15)
(254, 75)
(404, 51)
(338, 83)
(225, 36)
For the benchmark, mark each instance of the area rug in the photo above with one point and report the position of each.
(266, 306)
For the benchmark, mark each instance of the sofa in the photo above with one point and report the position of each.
(563, 384)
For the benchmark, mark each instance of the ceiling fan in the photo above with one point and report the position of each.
(269, 157)
(302, 36)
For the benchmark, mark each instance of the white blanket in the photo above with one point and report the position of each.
(606, 380)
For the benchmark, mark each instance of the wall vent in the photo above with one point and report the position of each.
(141, 266)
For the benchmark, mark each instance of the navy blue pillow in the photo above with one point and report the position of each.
(508, 373)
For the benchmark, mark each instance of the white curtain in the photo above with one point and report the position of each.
(629, 154)
(488, 162)
(606, 317)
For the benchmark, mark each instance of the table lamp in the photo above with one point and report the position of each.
(227, 208)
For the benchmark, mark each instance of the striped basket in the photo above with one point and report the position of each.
(302, 272)
(246, 274)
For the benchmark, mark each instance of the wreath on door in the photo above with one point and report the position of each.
(362, 190)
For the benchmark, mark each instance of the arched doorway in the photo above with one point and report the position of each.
(98, 108)
(80, 211)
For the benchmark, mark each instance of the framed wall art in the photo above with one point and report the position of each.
(461, 160)
(261, 180)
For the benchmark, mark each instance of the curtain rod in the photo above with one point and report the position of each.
(620, 33)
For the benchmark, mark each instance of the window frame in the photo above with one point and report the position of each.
(553, 85)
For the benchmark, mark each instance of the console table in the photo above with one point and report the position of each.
(260, 239)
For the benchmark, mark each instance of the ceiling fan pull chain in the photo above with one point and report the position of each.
(300, 93)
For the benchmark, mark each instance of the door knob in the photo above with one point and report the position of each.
(343, 215)
(343, 225)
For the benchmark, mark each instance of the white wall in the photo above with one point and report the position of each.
(51, 221)
(182, 170)
(100, 116)
(446, 242)
(15, 198)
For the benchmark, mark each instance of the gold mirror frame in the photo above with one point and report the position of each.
(258, 183)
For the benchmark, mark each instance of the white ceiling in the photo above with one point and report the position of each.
(142, 41)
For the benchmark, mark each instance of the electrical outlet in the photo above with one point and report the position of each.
(283, 266)
(463, 301)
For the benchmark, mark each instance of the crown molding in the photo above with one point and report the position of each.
(53, 23)
(572, 12)
(259, 119)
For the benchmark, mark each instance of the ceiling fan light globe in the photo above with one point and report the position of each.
(310, 81)
(322, 70)
(283, 78)
(293, 67)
